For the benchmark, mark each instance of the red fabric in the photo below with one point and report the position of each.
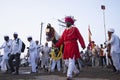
(69, 19)
(69, 38)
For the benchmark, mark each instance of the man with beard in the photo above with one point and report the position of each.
(114, 42)
(71, 50)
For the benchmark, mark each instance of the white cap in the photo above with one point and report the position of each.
(29, 37)
(5, 35)
(15, 33)
(111, 30)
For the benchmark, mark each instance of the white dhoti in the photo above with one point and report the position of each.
(54, 62)
(71, 67)
(116, 60)
(32, 61)
(3, 65)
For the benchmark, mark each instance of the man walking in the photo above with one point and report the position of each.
(33, 53)
(71, 49)
(15, 54)
(7, 50)
(45, 56)
(114, 42)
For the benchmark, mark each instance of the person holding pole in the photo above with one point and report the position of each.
(114, 43)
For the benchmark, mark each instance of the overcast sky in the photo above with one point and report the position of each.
(25, 17)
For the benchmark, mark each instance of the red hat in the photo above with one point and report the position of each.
(69, 19)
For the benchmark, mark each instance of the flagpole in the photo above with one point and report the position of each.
(103, 8)
(41, 32)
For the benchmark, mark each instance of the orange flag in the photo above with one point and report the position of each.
(89, 34)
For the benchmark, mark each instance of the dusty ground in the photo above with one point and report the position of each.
(86, 73)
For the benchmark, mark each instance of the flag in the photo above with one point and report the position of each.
(89, 38)
(89, 34)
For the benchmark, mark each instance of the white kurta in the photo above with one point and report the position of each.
(16, 46)
(7, 50)
(115, 50)
(38, 54)
(33, 55)
(45, 56)
(38, 51)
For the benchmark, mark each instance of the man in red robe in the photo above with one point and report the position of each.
(71, 49)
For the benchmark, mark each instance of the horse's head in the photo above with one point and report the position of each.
(50, 32)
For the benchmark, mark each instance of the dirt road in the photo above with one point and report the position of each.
(86, 73)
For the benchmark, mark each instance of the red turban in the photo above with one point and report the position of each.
(69, 19)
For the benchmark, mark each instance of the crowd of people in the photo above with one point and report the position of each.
(95, 55)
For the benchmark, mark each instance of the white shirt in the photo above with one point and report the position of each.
(115, 44)
(16, 46)
(7, 46)
(46, 51)
(38, 49)
(33, 47)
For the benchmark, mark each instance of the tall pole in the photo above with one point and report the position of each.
(103, 8)
(41, 32)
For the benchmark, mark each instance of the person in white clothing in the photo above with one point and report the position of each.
(38, 53)
(55, 63)
(33, 54)
(114, 41)
(45, 56)
(7, 50)
(15, 54)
